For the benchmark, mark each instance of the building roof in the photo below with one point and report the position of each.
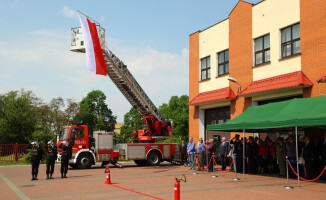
(294, 79)
(322, 79)
(213, 96)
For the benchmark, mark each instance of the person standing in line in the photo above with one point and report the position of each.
(281, 156)
(51, 149)
(183, 153)
(65, 156)
(252, 149)
(200, 151)
(236, 152)
(223, 152)
(291, 154)
(191, 153)
(270, 156)
(308, 156)
(36, 157)
(261, 157)
(210, 153)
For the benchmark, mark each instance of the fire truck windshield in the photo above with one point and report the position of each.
(64, 134)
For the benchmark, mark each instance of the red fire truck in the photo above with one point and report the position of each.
(89, 147)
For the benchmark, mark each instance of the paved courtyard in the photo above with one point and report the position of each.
(158, 181)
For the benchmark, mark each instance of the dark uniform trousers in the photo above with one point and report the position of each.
(50, 159)
(64, 163)
(35, 165)
(65, 156)
(36, 158)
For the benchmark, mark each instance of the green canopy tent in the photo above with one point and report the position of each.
(302, 112)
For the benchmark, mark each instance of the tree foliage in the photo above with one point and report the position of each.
(95, 112)
(17, 117)
(132, 121)
(177, 111)
(25, 117)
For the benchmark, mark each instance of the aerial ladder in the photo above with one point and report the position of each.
(158, 126)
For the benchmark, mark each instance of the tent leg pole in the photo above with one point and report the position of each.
(296, 146)
(244, 156)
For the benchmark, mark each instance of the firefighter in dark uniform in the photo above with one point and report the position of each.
(50, 159)
(65, 156)
(36, 157)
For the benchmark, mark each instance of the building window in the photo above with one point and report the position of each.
(205, 66)
(290, 40)
(262, 50)
(217, 115)
(223, 62)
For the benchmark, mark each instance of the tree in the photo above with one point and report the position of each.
(58, 117)
(132, 121)
(71, 110)
(94, 112)
(17, 116)
(177, 111)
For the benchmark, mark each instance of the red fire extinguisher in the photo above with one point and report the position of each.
(108, 176)
(177, 186)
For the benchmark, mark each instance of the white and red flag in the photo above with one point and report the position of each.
(94, 56)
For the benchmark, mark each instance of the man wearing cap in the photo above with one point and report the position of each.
(65, 156)
(50, 159)
(36, 157)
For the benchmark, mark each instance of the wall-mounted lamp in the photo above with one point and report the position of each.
(235, 81)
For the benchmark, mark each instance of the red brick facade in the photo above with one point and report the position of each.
(313, 44)
(193, 84)
(240, 52)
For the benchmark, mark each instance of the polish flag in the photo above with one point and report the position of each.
(94, 56)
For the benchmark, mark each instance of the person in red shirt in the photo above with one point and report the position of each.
(270, 155)
(261, 159)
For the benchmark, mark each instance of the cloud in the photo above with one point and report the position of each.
(68, 12)
(44, 64)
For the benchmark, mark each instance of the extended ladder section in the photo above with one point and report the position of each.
(128, 85)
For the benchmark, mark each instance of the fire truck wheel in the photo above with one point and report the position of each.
(154, 158)
(84, 161)
(141, 162)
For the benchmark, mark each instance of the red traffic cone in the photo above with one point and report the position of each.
(108, 176)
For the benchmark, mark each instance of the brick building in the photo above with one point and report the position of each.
(271, 51)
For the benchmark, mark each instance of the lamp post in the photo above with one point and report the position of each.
(235, 81)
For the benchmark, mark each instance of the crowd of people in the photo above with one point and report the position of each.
(261, 156)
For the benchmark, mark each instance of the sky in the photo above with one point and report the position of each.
(150, 36)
